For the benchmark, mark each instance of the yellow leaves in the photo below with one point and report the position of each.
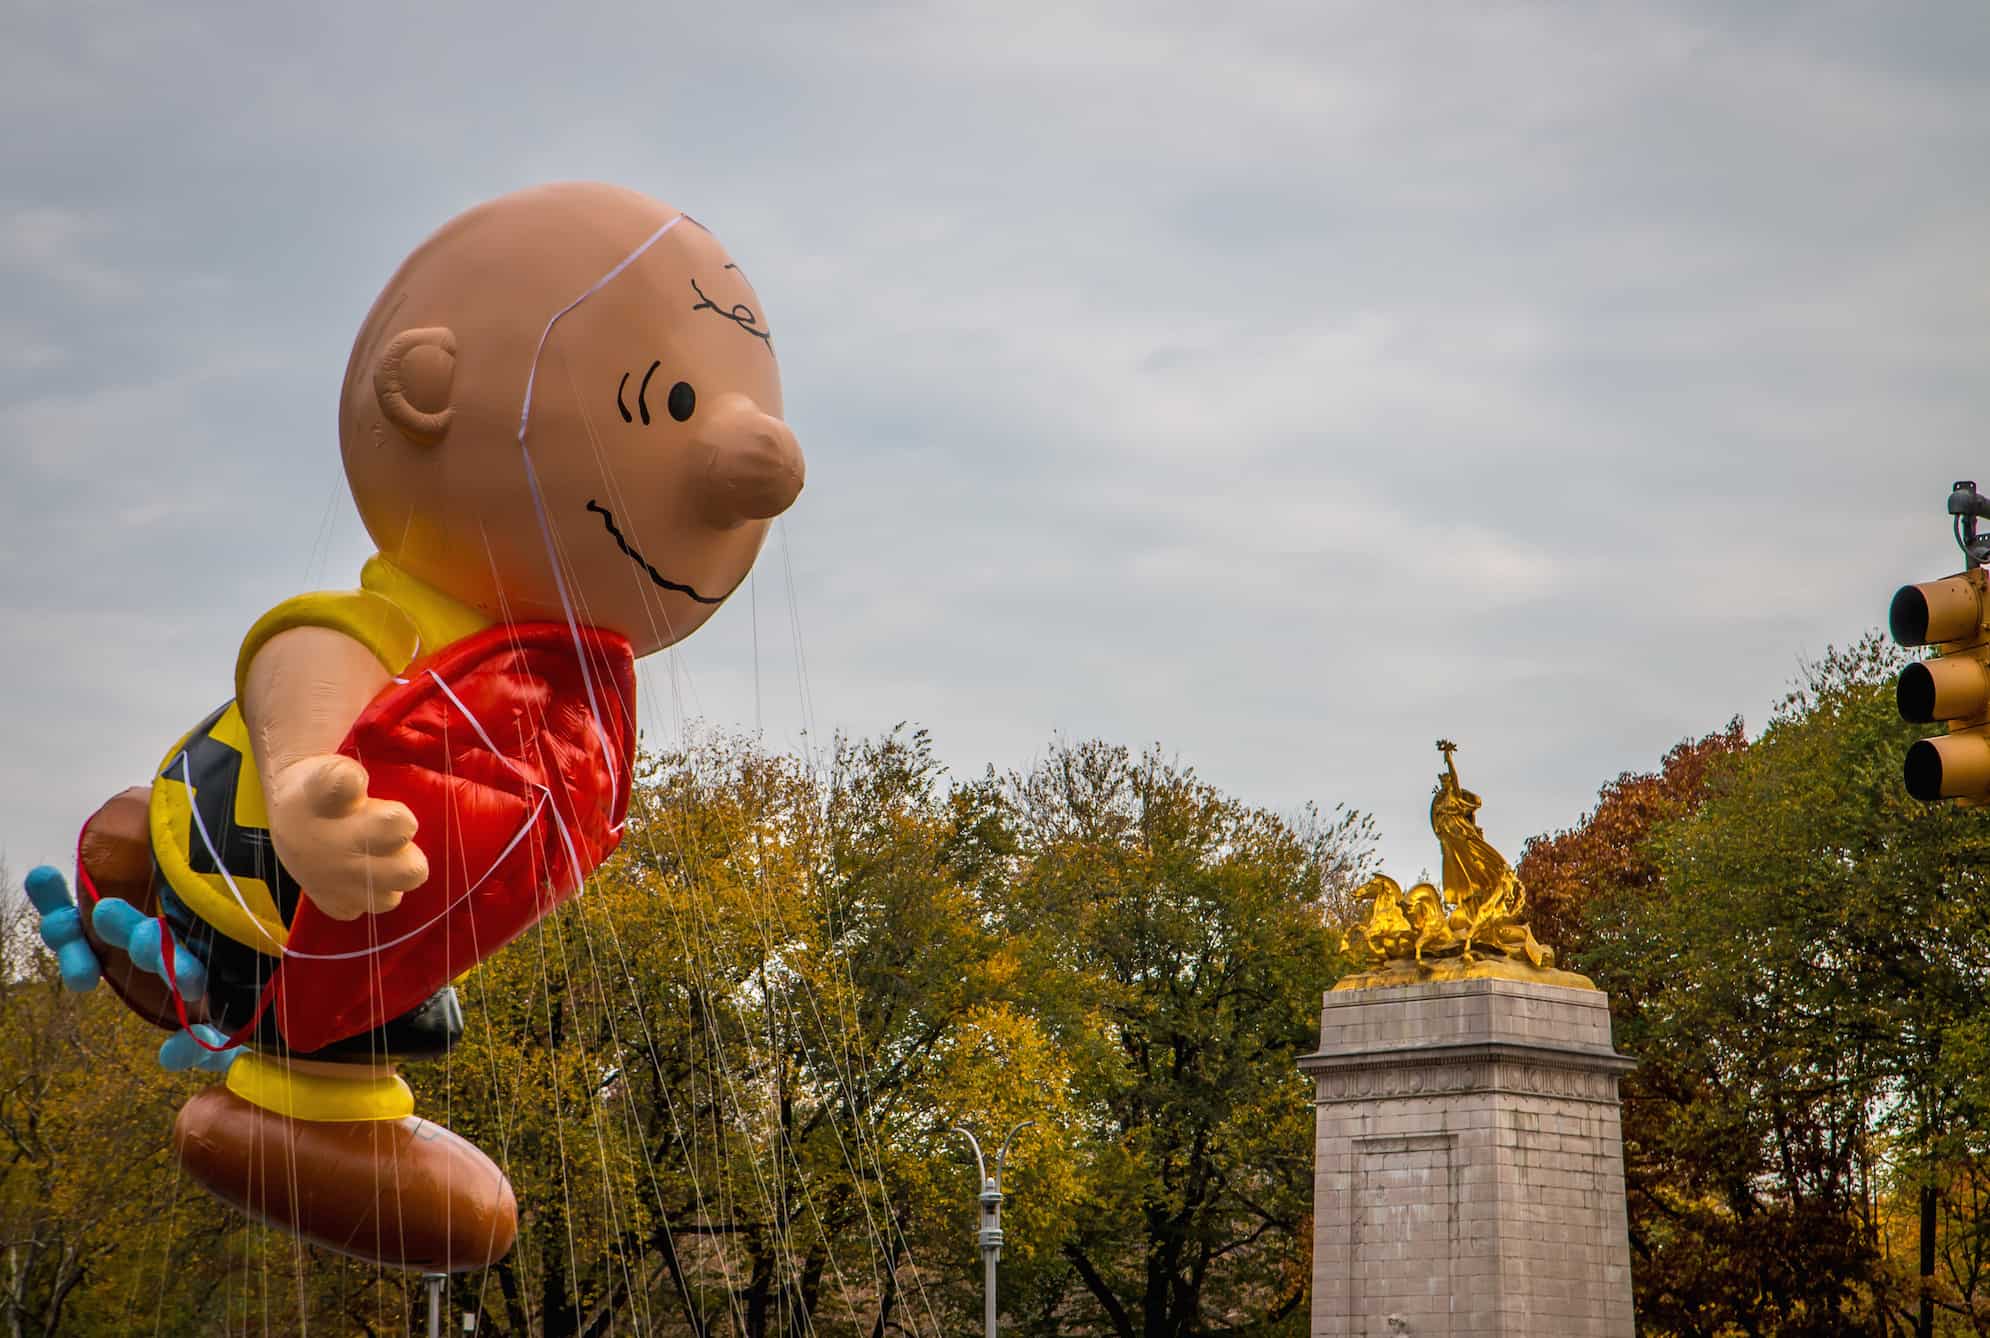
(721, 1077)
(88, 1193)
(998, 1069)
(998, 1063)
(1003, 969)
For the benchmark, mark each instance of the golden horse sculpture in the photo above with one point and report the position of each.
(1473, 928)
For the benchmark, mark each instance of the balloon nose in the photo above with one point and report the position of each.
(756, 470)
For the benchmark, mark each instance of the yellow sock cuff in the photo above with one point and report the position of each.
(275, 1086)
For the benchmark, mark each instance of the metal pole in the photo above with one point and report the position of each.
(988, 1258)
(990, 1235)
(434, 1281)
(991, 1248)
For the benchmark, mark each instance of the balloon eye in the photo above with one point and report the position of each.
(682, 400)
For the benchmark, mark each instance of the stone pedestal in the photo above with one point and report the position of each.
(1469, 1172)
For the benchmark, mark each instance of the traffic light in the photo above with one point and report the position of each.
(1953, 615)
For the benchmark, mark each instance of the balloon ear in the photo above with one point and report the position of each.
(412, 382)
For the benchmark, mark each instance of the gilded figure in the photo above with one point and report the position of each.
(1474, 926)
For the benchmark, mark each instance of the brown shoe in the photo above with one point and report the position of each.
(404, 1192)
(116, 853)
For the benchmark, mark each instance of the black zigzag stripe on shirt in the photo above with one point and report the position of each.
(213, 770)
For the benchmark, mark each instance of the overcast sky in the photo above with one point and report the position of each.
(1286, 384)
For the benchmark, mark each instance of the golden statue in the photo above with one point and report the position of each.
(1473, 928)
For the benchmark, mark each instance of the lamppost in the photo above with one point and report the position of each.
(435, 1283)
(990, 1234)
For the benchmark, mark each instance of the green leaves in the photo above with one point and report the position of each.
(1178, 946)
(720, 1079)
(1798, 953)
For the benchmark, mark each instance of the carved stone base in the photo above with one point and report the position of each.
(1469, 1172)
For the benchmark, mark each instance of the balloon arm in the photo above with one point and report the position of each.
(351, 854)
(302, 691)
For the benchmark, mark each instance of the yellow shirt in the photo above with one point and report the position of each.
(209, 824)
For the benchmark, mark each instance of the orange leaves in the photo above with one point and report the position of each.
(1606, 849)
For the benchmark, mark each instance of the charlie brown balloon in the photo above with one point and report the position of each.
(562, 426)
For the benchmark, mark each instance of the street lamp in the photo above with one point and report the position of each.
(990, 1235)
(435, 1283)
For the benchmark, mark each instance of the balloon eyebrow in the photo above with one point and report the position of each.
(627, 417)
(740, 314)
(644, 389)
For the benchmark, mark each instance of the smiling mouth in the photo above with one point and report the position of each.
(608, 519)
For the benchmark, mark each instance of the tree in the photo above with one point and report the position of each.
(93, 1222)
(1796, 953)
(721, 1078)
(1608, 849)
(1173, 941)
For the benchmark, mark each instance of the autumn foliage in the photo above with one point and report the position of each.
(722, 1079)
(1608, 849)
(1799, 958)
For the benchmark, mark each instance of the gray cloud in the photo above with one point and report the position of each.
(1289, 386)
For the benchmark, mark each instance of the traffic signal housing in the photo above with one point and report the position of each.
(1953, 687)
